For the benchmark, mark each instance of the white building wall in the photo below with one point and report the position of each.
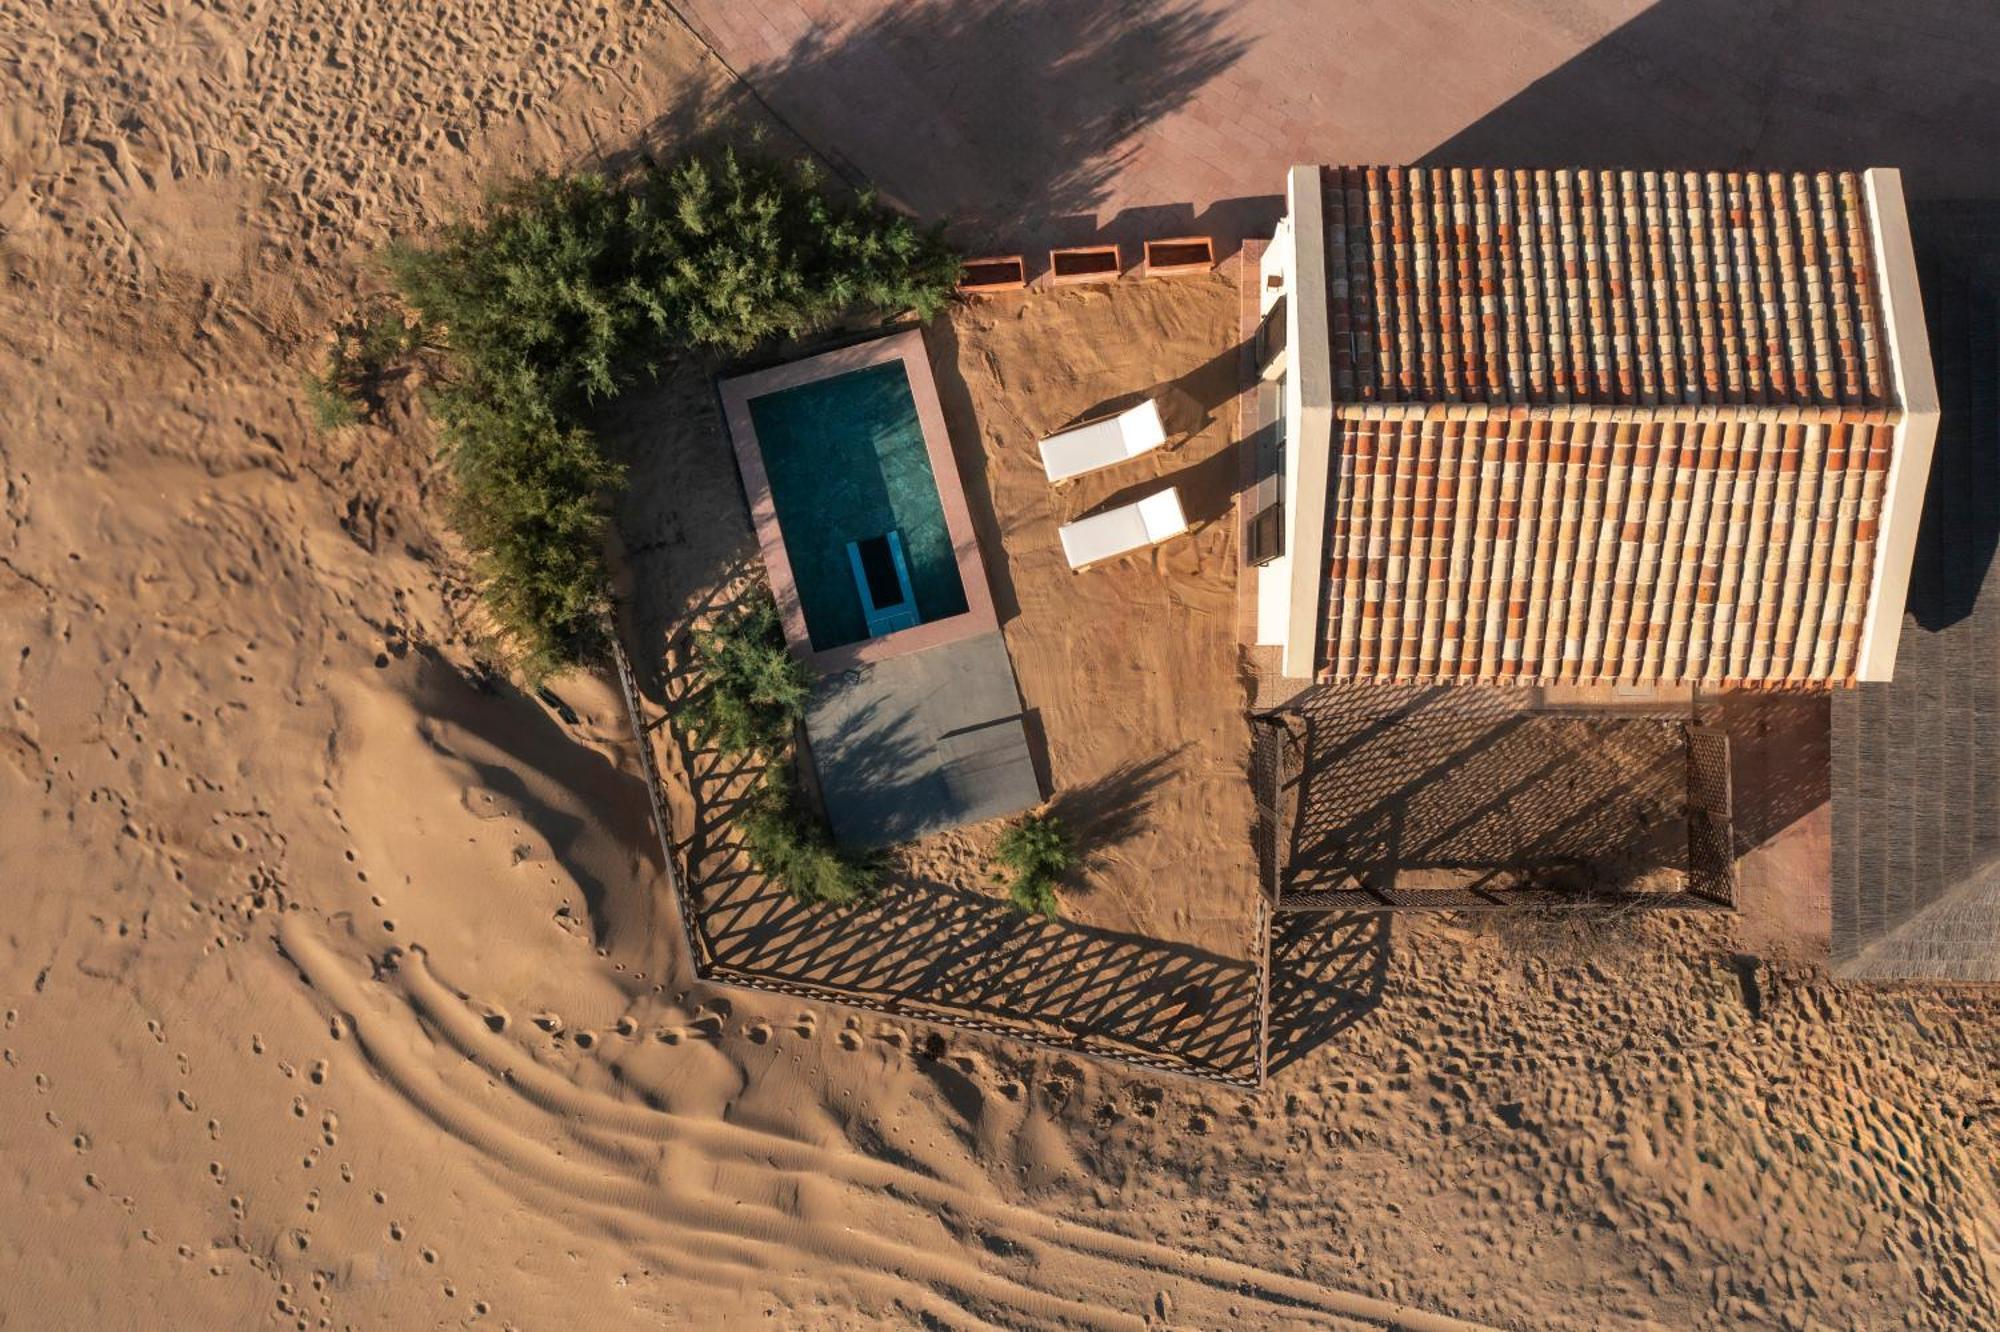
(1308, 407)
(1909, 353)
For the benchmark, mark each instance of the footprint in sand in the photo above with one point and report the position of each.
(585, 1039)
(669, 1035)
(496, 1020)
(299, 1106)
(317, 1074)
(758, 1033)
(549, 1022)
(806, 1026)
(850, 1040)
(626, 1026)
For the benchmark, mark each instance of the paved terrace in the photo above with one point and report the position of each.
(1040, 121)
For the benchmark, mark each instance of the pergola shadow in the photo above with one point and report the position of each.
(1468, 789)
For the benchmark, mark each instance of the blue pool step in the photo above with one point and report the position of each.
(882, 577)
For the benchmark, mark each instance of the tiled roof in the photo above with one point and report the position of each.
(1602, 426)
(1580, 545)
(1634, 287)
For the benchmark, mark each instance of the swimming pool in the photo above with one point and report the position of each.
(857, 502)
(847, 464)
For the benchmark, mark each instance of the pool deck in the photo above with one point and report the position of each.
(906, 348)
(921, 742)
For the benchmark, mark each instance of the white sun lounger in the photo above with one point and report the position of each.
(1145, 522)
(1102, 443)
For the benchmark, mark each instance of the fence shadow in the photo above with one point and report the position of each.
(1327, 973)
(1462, 787)
(931, 949)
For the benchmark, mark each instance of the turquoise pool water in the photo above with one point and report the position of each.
(846, 460)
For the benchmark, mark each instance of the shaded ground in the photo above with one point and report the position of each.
(920, 742)
(1917, 760)
(1157, 119)
(1408, 789)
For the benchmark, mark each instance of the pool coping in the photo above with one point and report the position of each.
(907, 347)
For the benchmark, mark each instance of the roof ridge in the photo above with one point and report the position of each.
(1657, 413)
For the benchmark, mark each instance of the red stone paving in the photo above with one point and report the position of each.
(1035, 122)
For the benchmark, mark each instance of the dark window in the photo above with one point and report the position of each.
(1264, 539)
(1270, 335)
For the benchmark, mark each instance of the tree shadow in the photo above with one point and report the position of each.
(1046, 99)
(1110, 811)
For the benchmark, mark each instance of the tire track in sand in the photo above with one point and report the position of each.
(736, 1233)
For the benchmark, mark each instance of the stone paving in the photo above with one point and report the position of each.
(1051, 121)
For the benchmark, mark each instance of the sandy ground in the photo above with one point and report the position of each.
(339, 991)
(1129, 671)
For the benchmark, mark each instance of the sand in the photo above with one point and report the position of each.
(339, 988)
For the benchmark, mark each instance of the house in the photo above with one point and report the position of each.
(1639, 429)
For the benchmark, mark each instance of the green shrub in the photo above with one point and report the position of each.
(567, 290)
(364, 350)
(755, 689)
(752, 696)
(330, 407)
(791, 847)
(1034, 852)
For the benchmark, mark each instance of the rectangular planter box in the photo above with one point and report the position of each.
(1178, 255)
(995, 272)
(1085, 263)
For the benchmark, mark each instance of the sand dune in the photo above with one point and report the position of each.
(337, 984)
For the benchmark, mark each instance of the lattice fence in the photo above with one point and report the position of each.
(1274, 768)
(1711, 819)
(1241, 1058)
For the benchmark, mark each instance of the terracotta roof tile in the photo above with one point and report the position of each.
(1601, 425)
(1610, 287)
(1602, 546)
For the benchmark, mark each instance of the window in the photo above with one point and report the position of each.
(1264, 537)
